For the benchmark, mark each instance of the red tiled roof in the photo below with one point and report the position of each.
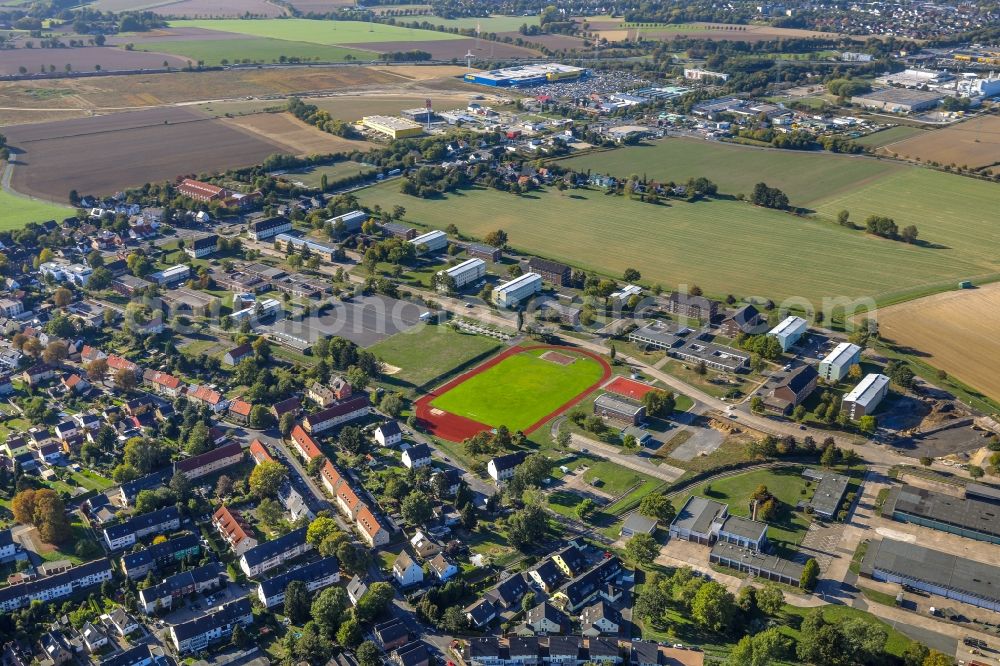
(116, 362)
(165, 380)
(368, 522)
(341, 408)
(259, 452)
(306, 445)
(331, 475)
(347, 494)
(241, 407)
(206, 394)
(71, 381)
(232, 524)
(196, 187)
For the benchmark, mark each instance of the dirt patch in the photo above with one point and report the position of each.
(456, 49)
(105, 154)
(85, 59)
(557, 358)
(974, 143)
(421, 72)
(956, 330)
(300, 138)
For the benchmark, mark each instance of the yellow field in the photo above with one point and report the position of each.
(957, 329)
(301, 139)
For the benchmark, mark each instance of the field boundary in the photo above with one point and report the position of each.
(455, 428)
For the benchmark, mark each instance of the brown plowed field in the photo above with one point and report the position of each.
(455, 48)
(104, 154)
(300, 138)
(321, 6)
(958, 329)
(711, 31)
(554, 42)
(219, 9)
(83, 59)
(975, 143)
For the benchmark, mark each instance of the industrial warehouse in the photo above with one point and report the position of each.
(968, 517)
(526, 75)
(932, 571)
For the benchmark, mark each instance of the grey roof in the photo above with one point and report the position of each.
(523, 646)
(418, 452)
(357, 587)
(488, 646)
(509, 591)
(227, 614)
(640, 523)
(564, 645)
(748, 319)
(744, 527)
(757, 560)
(269, 549)
(867, 389)
(573, 558)
(603, 647)
(131, 489)
(482, 611)
(698, 514)
(966, 513)
(598, 610)
(160, 551)
(617, 404)
(54, 581)
(548, 571)
(306, 573)
(913, 562)
(898, 96)
(546, 611)
(411, 653)
(142, 521)
(829, 492)
(390, 630)
(799, 378)
(508, 461)
(665, 334)
(389, 429)
(645, 652)
(182, 580)
(982, 491)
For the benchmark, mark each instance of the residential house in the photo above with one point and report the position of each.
(38, 373)
(348, 501)
(239, 411)
(600, 618)
(126, 534)
(304, 445)
(570, 561)
(747, 320)
(564, 650)
(502, 468)
(411, 654)
(259, 452)
(237, 354)
(507, 593)
(357, 587)
(792, 390)
(162, 383)
(215, 400)
(547, 619)
(161, 597)
(209, 462)
(270, 554)
(416, 456)
(330, 477)
(406, 571)
(316, 576)
(138, 564)
(577, 592)
(547, 575)
(388, 434)
(392, 634)
(232, 527)
(123, 623)
(94, 638)
(353, 408)
(197, 634)
(481, 613)
(287, 406)
(57, 586)
(73, 382)
(371, 529)
(443, 568)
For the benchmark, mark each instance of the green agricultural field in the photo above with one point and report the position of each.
(491, 24)
(722, 246)
(803, 176)
(259, 50)
(520, 390)
(887, 136)
(313, 176)
(425, 352)
(15, 211)
(318, 32)
(788, 527)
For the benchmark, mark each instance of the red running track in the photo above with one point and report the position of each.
(455, 428)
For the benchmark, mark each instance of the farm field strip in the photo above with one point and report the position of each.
(319, 32)
(958, 331)
(973, 143)
(17, 211)
(255, 49)
(714, 244)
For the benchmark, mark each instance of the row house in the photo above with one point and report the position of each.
(138, 565)
(162, 383)
(161, 597)
(215, 400)
(316, 576)
(197, 634)
(356, 407)
(259, 452)
(239, 411)
(304, 445)
(270, 554)
(371, 529)
(232, 527)
(210, 462)
(126, 534)
(57, 586)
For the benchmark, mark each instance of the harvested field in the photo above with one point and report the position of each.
(354, 107)
(85, 59)
(888, 136)
(712, 31)
(170, 35)
(321, 6)
(553, 42)
(104, 154)
(115, 92)
(975, 143)
(421, 72)
(455, 49)
(957, 330)
(300, 138)
(21, 117)
(220, 9)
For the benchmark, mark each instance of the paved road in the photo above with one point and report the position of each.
(665, 472)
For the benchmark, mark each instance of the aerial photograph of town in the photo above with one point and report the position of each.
(499, 333)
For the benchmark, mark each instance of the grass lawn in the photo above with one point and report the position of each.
(887, 136)
(895, 645)
(15, 211)
(312, 177)
(678, 243)
(198, 347)
(92, 480)
(491, 24)
(318, 32)
(564, 502)
(255, 49)
(787, 485)
(612, 477)
(520, 390)
(425, 352)
(714, 383)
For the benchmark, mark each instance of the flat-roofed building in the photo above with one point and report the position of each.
(699, 520)
(463, 274)
(866, 396)
(830, 491)
(898, 100)
(350, 222)
(968, 517)
(432, 241)
(789, 331)
(944, 574)
(714, 356)
(838, 362)
(619, 408)
(659, 335)
(325, 251)
(768, 567)
(393, 127)
(744, 533)
(510, 294)
(170, 276)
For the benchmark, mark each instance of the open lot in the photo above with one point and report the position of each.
(299, 137)
(957, 330)
(364, 320)
(98, 155)
(719, 244)
(520, 390)
(426, 352)
(974, 143)
(17, 211)
(320, 32)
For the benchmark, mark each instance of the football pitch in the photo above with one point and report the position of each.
(522, 389)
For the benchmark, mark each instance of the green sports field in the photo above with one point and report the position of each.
(318, 32)
(520, 390)
(256, 50)
(15, 212)
(724, 246)
(424, 353)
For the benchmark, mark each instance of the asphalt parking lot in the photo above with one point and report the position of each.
(365, 320)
